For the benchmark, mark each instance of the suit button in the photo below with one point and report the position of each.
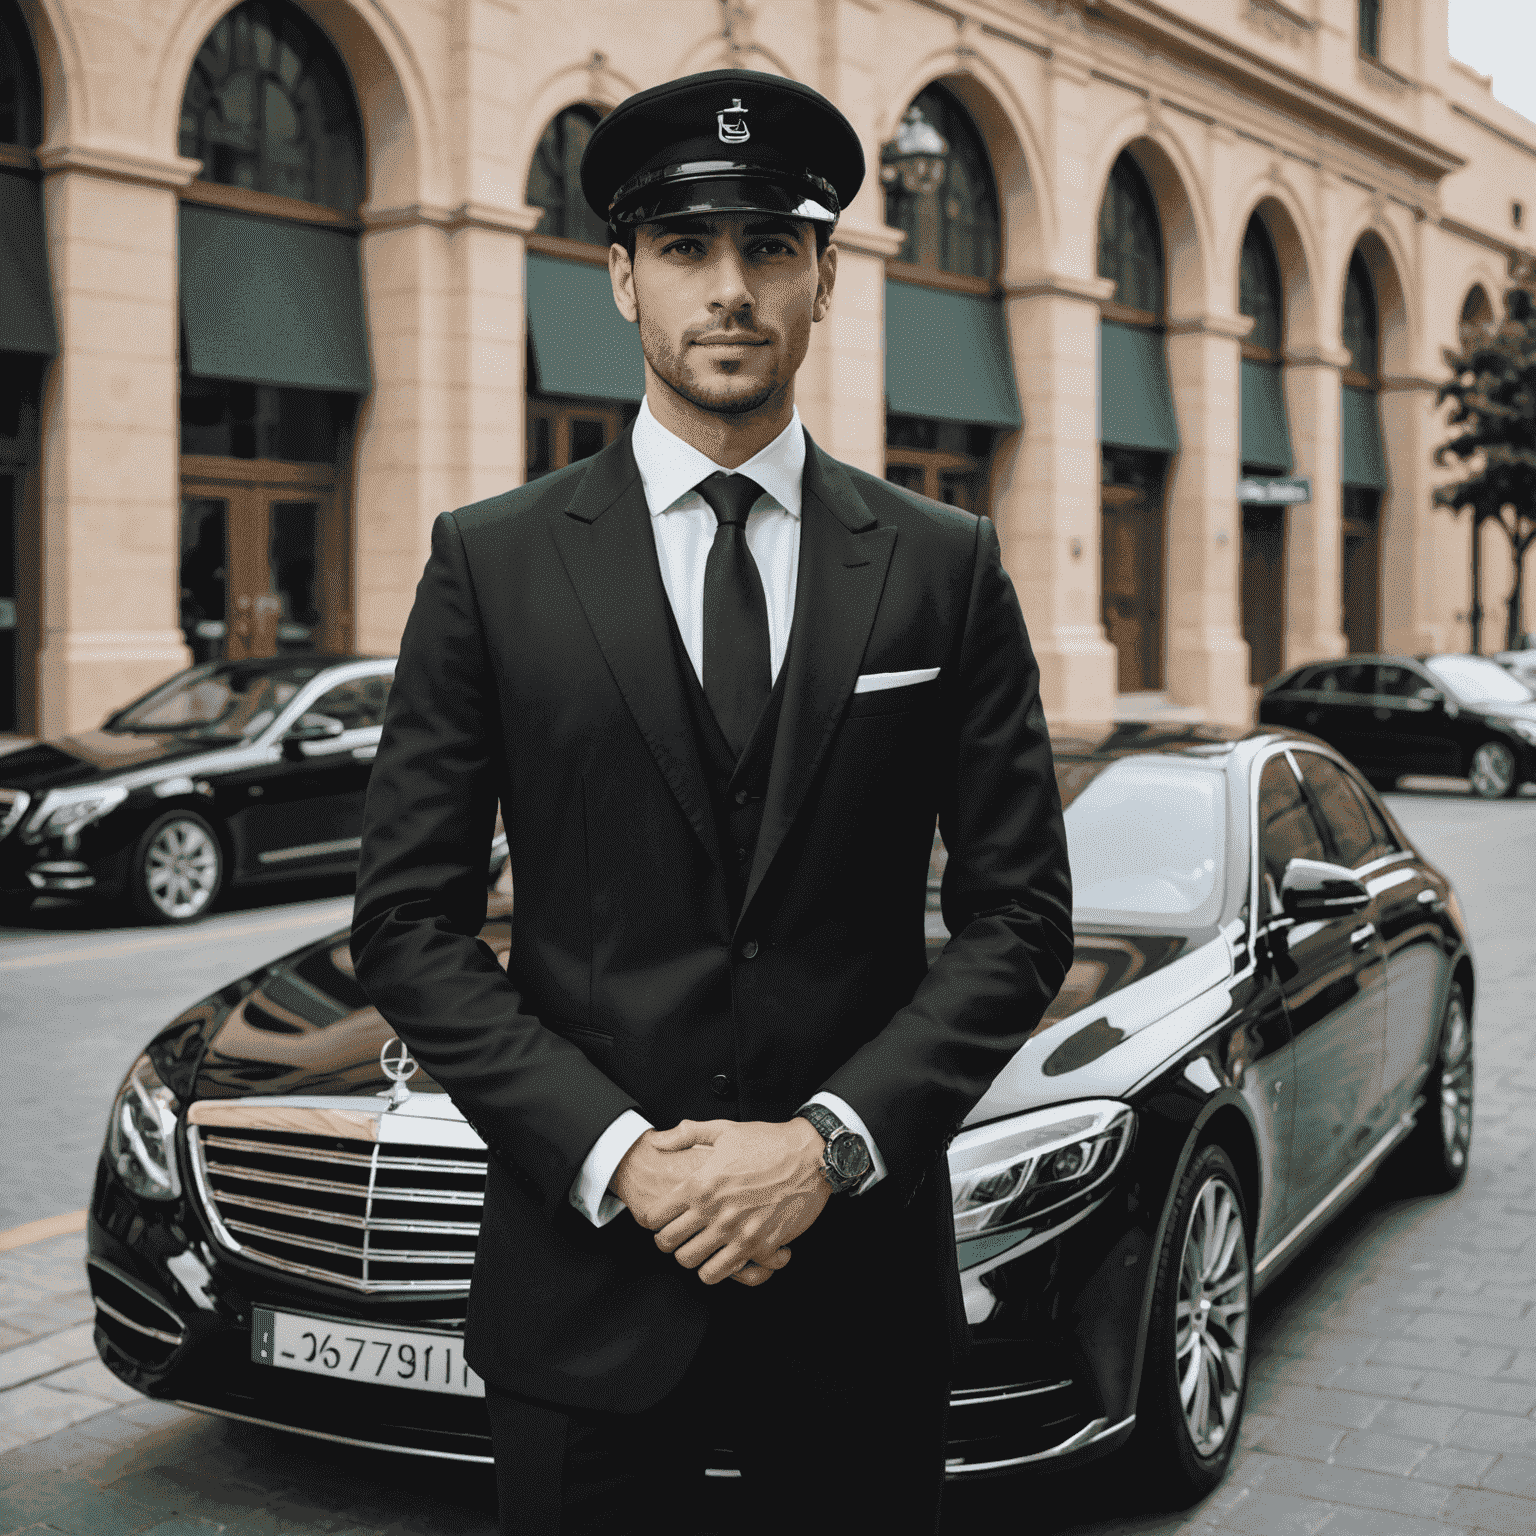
(741, 797)
(749, 950)
(721, 1086)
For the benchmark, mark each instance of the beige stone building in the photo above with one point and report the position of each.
(280, 281)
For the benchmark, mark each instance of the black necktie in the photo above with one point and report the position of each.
(738, 674)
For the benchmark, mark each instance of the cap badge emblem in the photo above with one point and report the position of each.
(733, 123)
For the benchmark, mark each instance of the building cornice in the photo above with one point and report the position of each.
(1512, 139)
(1060, 285)
(1505, 248)
(466, 215)
(1399, 383)
(878, 240)
(1265, 79)
(172, 171)
(1232, 327)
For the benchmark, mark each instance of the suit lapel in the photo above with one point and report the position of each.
(609, 553)
(844, 555)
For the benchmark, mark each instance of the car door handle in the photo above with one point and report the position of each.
(1363, 936)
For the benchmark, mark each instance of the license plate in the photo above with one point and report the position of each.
(386, 1357)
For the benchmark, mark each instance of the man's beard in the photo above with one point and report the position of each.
(672, 369)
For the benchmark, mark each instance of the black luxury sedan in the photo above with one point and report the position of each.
(1272, 992)
(1460, 716)
(235, 771)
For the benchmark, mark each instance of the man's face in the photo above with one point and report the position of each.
(725, 304)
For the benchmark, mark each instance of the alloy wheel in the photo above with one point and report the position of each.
(1456, 1084)
(181, 870)
(1493, 770)
(1211, 1317)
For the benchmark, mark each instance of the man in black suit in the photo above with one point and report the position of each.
(721, 686)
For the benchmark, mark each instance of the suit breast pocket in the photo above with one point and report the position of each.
(893, 701)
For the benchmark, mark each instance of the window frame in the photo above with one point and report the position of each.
(1127, 179)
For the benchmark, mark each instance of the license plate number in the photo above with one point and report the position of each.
(386, 1357)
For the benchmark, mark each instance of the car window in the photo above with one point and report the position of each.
(1402, 683)
(358, 702)
(1146, 837)
(217, 701)
(1286, 828)
(1383, 839)
(1353, 842)
(1349, 677)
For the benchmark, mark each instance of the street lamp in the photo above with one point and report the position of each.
(916, 156)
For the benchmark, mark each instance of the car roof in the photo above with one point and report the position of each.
(288, 661)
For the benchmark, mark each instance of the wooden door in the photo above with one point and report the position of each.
(1263, 591)
(264, 560)
(1362, 569)
(1133, 583)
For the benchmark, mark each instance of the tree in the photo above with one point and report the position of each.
(1492, 391)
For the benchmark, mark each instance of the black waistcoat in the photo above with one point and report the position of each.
(736, 786)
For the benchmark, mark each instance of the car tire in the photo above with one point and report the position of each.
(1493, 773)
(177, 869)
(1434, 1157)
(1185, 1436)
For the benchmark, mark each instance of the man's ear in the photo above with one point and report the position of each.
(621, 273)
(826, 277)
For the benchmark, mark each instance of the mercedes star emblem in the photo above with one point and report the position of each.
(399, 1067)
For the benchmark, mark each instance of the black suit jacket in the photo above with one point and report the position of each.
(537, 669)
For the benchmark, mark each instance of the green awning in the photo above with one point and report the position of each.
(1363, 461)
(1135, 402)
(1266, 432)
(266, 302)
(582, 345)
(26, 309)
(946, 357)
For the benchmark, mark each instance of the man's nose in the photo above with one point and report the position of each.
(730, 291)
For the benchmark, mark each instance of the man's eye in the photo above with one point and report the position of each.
(774, 248)
(682, 247)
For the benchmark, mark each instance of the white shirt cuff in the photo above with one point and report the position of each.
(850, 1117)
(590, 1193)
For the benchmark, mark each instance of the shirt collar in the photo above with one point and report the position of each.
(671, 468)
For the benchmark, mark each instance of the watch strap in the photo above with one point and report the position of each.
(828, 1126)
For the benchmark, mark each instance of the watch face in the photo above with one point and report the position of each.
(849, 1156)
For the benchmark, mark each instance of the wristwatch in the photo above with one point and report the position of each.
(845, 1161)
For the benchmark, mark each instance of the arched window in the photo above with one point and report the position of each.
(20, 107)
(269, 108)
(554, 179)
(1259, 293)
(953, 224)
(1370, 28)
(1476, 318)
(1131, 240)
(1360, 329)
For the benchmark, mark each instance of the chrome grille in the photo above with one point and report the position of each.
(370, 1216)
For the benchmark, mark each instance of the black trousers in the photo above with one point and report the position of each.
(839, 1422)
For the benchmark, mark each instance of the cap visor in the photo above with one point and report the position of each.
(725, 194)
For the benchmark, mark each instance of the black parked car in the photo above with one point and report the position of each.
(235, 771)
(1272, 992)
(1461, 716)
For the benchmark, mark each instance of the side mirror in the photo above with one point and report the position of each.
(313, 728)
(1314, 891)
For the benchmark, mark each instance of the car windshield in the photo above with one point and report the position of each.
(216, 701)
(1476, 680)
(1146, 837)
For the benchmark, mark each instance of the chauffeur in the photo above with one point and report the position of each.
(722, 685)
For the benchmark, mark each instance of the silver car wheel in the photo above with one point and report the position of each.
(1456, 1084)
(1211, 1318)
(181, 870)
(1493, 770)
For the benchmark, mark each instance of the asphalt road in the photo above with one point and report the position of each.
(1394, 1367)
(81, 991)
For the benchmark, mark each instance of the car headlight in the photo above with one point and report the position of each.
(140, 1135)
(1525, 729)
(62, 813)
(1027, 1174)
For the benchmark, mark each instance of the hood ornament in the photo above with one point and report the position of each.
(399, 1066)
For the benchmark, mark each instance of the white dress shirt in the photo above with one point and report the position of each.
(684, 526)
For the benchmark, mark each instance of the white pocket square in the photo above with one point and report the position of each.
(873, 682)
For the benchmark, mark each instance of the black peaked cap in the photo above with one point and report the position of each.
(726, 140)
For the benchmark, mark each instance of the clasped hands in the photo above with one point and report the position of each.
(726, 1197)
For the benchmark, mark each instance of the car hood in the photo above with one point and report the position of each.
(303, 1026)
(91, 757)
(1489, 711)
(1100, 1041)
